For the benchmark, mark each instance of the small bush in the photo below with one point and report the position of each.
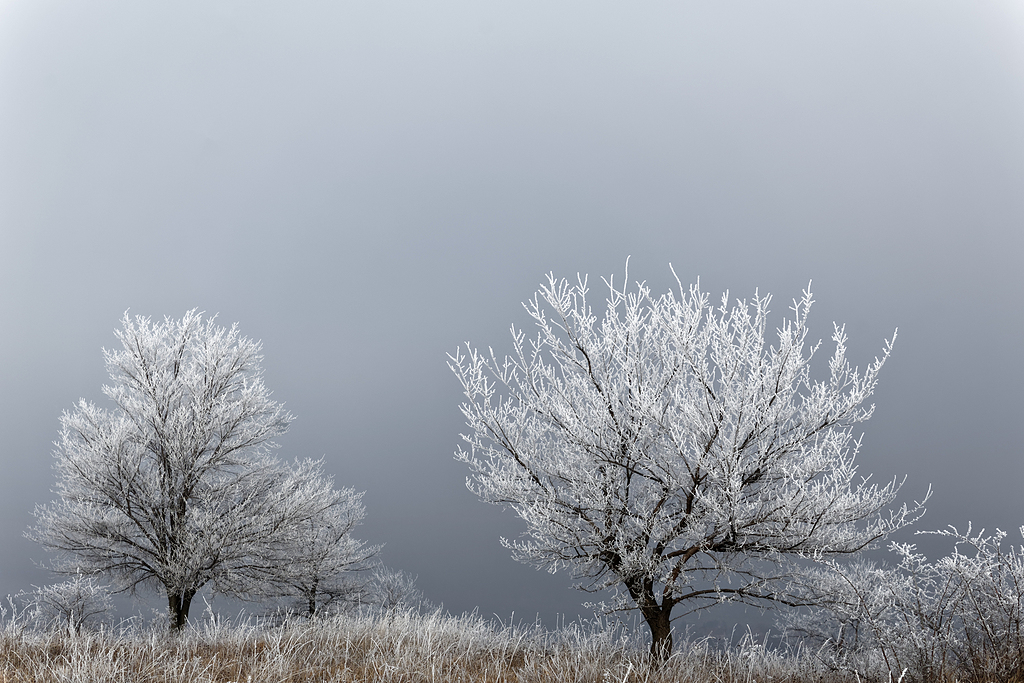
(960, 617)
(72, 604)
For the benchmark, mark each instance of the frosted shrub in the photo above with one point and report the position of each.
(958, 616)
(393, 589)
(71, 604)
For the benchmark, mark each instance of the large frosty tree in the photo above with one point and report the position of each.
(668, 451)
(175, 487)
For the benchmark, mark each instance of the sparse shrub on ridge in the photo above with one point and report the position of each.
(71, 604)
(395, 589)
(959, 617)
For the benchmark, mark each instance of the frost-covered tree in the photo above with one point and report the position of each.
(960, 617)
(70, 604)
(324, 567)
(668, 451)
(175, 486)
(392, 590)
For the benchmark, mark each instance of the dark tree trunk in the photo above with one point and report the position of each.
(659, 621)
(658, 617)
(177, 609)
(311, 596)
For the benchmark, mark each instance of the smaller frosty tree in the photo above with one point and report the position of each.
(323, 567)
(393, 589)
(960, 617)
(175, 486)
(70, 604)
(668, 451)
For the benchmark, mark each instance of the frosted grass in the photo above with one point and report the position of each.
(380, 647)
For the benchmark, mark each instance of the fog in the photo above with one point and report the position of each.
(365, 186)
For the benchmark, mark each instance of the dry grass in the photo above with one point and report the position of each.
(380, 648)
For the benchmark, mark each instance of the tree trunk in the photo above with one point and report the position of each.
(177, 609)
(658, 617)
(659, 621)
(311, 596)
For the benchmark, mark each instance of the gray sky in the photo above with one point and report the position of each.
(366, 185)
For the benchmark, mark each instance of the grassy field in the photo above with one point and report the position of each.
(386, 648)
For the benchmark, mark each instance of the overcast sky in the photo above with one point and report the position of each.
(366, 185)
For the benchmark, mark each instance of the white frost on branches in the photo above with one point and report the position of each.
(961, 613)
(71, 604)
(667, 448)
(175, 486)
(393, 590)
(325, 568)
